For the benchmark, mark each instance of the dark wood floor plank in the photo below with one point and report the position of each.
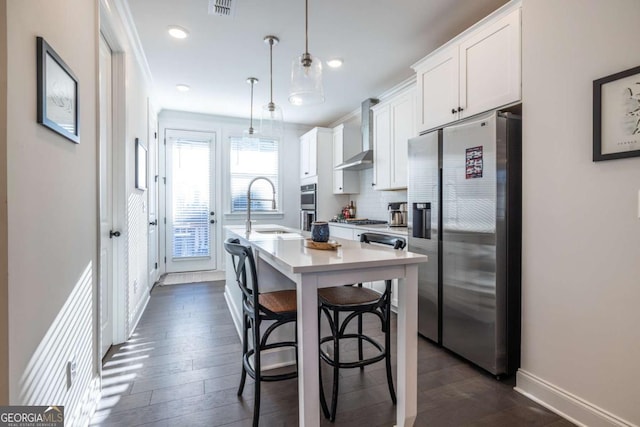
(182, 367)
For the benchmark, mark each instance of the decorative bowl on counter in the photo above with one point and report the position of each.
(320, 231)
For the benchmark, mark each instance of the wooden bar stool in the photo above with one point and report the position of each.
(356, 301)
(277, 306)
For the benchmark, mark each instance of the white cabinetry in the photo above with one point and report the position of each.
(316, 167)
(308, 155)
(393, 125)
(340, 232)
(345, 145)
(437, 79)
(476, 72)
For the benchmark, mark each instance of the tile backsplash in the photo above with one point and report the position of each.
(372, 204)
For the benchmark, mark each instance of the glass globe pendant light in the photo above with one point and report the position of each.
(250, 135)
(271, 121)
(306, 73)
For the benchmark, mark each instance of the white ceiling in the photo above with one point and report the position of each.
(378, 41)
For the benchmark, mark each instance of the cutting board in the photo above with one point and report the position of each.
(327, 246)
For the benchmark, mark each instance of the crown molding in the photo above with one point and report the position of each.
(120, 31)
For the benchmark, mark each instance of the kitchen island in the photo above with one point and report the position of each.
(281, 251)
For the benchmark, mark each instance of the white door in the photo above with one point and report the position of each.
(154, 257)
(190, 211)
(106, 201)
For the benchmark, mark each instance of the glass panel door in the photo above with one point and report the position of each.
(190, 230)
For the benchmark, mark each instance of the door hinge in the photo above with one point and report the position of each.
(156, 266)
(164, 178)
(156, 178)
(155, 135)
(165, 219)
(165, 141)
(165, 260)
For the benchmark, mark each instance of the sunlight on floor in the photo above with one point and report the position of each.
(118, 375)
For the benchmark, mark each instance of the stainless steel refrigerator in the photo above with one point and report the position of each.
(464, 198)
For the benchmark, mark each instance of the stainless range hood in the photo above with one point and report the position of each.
(364, 159)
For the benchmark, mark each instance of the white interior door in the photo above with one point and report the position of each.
(190, 211)
(154, 256)
(106, 201)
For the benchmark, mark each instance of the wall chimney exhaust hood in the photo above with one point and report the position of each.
(364, 159)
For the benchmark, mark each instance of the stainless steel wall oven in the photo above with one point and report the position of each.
(308, 194)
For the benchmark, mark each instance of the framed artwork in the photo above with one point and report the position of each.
(57, 93)
(616, 116)
(141, 165)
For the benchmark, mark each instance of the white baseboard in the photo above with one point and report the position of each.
(142, 306)
(565, 404)
(271, 359)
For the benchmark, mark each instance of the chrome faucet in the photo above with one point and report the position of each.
(273, 200)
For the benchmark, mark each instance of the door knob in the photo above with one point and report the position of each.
(212, 213)
(212, 221)
(460, 109)
(113, 234)
(453, 111)
(155, 222)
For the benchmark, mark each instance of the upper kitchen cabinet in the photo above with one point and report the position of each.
(393, 124)
(477, 71)
(316, 142)
(345, 144)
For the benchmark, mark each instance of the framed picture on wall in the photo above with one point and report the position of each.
(616, 116)
(57, 93)
(141, 165)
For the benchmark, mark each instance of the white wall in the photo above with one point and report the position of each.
(224, 128)
(52, 215)
(581, 232)
(137, 225)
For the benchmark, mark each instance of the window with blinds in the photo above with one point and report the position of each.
(191, 172)
(250, 158)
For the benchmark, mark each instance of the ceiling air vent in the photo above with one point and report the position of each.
(226, 8)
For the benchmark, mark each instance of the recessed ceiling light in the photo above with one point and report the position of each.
(334, 63)
(178, 32)
(183, 88)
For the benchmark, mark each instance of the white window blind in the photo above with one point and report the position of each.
(191, 172)
(250, 158)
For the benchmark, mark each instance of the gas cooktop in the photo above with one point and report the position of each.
(359, 221)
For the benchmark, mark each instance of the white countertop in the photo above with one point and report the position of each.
(289, 252)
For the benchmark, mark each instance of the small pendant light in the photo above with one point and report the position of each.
(250, 134)
(306, 73)
(271, 122)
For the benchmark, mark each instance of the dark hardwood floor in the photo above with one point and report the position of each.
(182, 368)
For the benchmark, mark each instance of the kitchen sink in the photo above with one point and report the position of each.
(280, 232)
